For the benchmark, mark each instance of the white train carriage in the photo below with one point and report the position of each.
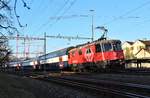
(26, 65)
(35, 64)
(14, 65)
(31, 64)
(56, 60)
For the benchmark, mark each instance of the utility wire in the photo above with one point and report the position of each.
(65, 11)
(44, 10)
(41, 8)
(58, 11)
(68, 17)
(128, 12)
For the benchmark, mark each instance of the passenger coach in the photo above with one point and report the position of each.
(56, 60)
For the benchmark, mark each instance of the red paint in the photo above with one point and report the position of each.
(78, 58)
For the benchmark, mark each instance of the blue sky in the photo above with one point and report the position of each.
(133, 23)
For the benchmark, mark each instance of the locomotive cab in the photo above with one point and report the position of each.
(100, 54)
(118, 52)
(109, 54)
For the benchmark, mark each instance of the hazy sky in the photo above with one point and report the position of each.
(124, 19)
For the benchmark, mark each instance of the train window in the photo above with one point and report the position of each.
(107, 47)
(80, 52)
(88, 51)
(117, 46)
(98, 47)
(68, 55)
(73, 53)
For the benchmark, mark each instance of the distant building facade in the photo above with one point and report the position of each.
(139, 49)
(128, 49)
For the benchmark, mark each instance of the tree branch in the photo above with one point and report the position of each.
(25, 4)
(4, 5)
(8, 27)
(17, 16)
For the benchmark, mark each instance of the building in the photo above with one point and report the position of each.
(139, 49)
(139, 45)
(128, 49)
(143, 53)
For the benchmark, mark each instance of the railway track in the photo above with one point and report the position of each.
(97, 86)
(104, 88)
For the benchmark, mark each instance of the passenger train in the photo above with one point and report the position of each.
(99, 54)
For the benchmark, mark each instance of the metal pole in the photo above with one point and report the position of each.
(24, 48)
(17, 45)
(92, 24)
(44, 52)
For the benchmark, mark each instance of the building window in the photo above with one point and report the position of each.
(148, 47)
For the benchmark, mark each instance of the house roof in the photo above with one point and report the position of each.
(147, 42)
(130, 42)
(141, 50)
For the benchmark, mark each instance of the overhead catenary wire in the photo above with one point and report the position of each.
(128, 12)
(46, 6)
(68, 16)
(55, 15)
(65, 11)
(43, 9)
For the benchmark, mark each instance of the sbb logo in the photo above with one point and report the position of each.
(89, 55)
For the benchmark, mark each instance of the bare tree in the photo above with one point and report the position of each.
(7, 10)
(5, 26)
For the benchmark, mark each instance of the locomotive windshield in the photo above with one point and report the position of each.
(104, 47)
(117, 47)
(107, 47)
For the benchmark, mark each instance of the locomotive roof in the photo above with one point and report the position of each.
(106, 41)
(96, 42)
(56, 53)
(101, 41)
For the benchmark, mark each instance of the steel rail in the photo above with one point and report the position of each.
(125, 84)
(92, 87)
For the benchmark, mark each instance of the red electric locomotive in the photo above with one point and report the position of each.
(103, 54)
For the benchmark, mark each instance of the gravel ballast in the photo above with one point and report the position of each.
(12, 86)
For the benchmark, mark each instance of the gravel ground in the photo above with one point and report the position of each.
(12, 86)
(139, 79)
(17, 87)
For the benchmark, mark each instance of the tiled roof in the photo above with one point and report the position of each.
(130, 42)
(147, 42)
(141, 50)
